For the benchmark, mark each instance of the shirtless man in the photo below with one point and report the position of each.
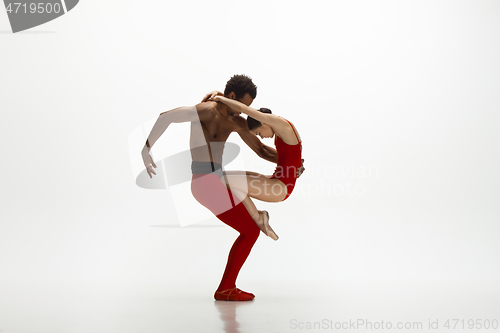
(211, 125)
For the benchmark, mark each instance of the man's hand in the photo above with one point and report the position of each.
(211, 95)
(300, 169)
(148, 161)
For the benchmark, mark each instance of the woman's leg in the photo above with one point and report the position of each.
(247, 202)
(255, 185)
(241, 194)
(250, 184)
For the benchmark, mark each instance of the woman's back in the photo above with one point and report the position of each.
(287, 133)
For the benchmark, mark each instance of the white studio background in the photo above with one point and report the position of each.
(396, 102)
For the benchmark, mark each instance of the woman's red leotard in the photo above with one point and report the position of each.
(289, 160)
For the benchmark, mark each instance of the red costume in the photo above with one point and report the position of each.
(289, 160)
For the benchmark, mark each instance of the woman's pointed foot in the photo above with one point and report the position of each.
(266, 228)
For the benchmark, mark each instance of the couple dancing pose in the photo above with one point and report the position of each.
(227, 194)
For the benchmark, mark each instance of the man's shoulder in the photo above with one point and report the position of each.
(240, 123)
(206, 107)
(207, 110)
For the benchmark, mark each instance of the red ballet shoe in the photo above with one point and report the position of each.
(234, 294)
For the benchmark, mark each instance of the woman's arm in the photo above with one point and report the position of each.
(210, 96)
(266, 118)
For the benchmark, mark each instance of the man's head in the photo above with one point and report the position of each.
(241, 88)
(258, 128)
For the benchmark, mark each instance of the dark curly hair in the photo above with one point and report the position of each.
(254, 123)
(240, 85)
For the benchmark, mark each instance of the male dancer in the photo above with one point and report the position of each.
(211, 124)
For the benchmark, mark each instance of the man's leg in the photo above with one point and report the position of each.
(239, 219)
(211, 193)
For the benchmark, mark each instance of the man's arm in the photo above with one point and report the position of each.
(200, 112)
(257, 146)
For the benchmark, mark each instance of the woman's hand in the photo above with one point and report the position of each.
(210, 96)
(300, 169)
(233, 104)
(148, 162)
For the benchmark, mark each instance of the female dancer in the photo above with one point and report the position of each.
(277, 187)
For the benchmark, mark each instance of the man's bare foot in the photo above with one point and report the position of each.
(263, 224)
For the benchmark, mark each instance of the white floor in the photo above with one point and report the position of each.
(278, 307)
